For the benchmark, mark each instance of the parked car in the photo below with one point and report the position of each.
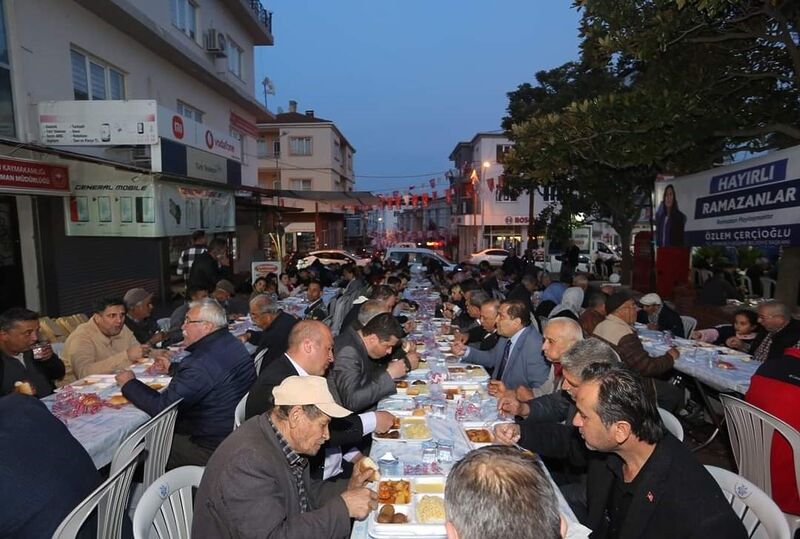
(418, 258)
(495, 257)
(553, 264)
(332, 257)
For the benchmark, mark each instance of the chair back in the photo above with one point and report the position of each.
(238, 414)
(156, 436)
(51, 331)
(768, 287)
(113, 494)
(689, 323)
(163, 323)
(259, 359)
(762, 518)
(165, 510)
(671, 423)
(751, 430)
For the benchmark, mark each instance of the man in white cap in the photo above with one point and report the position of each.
(257, 483)
(659, 316)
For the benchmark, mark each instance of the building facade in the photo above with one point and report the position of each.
(301, 152)
(146, 108)
(482, 214)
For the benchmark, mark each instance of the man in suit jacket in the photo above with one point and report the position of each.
(362, 382)
(489, 324)
(517, 358)
(780, 331)
(316, 309)
(275, 326)
(257, 484)
(19, 332)
(643, 482)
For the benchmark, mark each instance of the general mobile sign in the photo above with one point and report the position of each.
(754, 202)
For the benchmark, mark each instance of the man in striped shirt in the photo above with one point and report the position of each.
(187, 257)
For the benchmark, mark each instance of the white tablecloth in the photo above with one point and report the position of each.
(694, 361)
(102, 433)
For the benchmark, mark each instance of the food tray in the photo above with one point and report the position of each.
(402, 434)
(418, 387)
(478, 426)
(430, 486)
(467, 372)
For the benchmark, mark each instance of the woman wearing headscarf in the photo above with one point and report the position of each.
(570, 306)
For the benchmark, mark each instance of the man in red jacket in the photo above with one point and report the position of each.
(775, 388)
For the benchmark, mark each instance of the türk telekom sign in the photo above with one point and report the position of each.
(175, 127)
(23, 175)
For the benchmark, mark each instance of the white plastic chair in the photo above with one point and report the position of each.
(671, 423)
(259, 359)
(165, 510)
(238, 414)
(768, 287)
(761, 517)
(113, 492)
(751, 431)
(689, 323)
(156, 436)
(163, 324)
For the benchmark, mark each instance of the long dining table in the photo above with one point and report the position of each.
(718, 368)
(101, 433)
(447, 421)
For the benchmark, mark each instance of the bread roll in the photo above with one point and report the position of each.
(367, 463)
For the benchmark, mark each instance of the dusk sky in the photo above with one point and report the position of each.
(406, 81)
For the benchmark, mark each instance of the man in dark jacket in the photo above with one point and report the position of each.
(211, 380)
(360, 381)
(658, 316)
(780, 331)
(211, 266)
(643, 482)
(316, 307)
(19, 332)
(45, 472)
(275, 326)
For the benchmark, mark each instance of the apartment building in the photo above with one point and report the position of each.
(125, 125)
(311, 162)
(482, 214)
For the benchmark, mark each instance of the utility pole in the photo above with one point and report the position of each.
(531, 231)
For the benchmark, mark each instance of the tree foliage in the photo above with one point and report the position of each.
(661, 86)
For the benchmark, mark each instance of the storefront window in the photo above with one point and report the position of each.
(7, 127)
(506, 238)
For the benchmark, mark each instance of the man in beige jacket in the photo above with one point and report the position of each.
(103, 344)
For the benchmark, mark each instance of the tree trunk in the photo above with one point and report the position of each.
(788, 282)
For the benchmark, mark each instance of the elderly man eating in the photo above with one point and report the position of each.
(258, 484)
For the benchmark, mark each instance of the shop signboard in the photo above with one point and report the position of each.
(263, 268)
(753, 202)
(175, 127)
(137, 206)
(24, 176)
(98, 123)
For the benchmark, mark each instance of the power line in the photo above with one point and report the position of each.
(422, 175)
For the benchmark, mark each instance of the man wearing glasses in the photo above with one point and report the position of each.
(780, 331)
(211, 380)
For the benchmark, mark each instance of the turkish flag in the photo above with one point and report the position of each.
(414, 201)
(448, 195)
(424, 200)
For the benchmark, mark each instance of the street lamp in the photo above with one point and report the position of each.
(484, 169)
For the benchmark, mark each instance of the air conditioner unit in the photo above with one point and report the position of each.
(216, 43)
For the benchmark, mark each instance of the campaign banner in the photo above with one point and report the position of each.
(753, 202)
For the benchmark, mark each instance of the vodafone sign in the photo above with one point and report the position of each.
(196, 135)
(177, 127)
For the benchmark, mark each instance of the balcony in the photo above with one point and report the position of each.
(256, 18)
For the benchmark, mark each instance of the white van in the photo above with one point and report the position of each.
(418, 258)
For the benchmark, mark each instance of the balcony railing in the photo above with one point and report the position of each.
(264, 16)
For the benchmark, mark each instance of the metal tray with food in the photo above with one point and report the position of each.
(412, 388)
(478, 434)
(464, 372)
(410, 429)
(408, 508)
